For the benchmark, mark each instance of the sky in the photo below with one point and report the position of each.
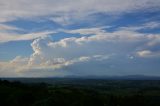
(50, 38)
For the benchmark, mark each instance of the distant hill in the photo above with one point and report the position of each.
(71, 79)
(127, 77)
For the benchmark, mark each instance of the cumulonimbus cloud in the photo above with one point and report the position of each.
(100, 47)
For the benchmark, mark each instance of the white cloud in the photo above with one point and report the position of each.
(65, 12)
(4, 27)
(152, 25)
(19, 60)
(100, 47)
(10, 36)
(8, 70)
(148, 54)
(14, 9)
(88, 31)
(148, 25)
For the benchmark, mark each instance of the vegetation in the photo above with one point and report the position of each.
(100, 93)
